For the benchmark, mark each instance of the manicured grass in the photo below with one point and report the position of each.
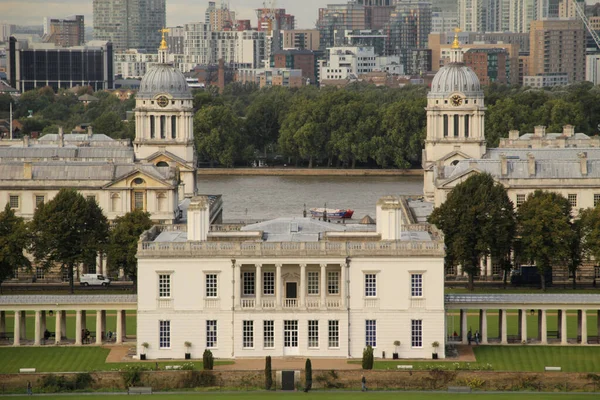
(68, 359)
(342, 395)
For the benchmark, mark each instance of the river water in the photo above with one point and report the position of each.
(247, 198)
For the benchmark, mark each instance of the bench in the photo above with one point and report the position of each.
(552, 334)
(553, 369)
(592, 339)
(513, 339)
(404, 366)
(459, 389)
(6, 335)
(139, 390)
(26, 370)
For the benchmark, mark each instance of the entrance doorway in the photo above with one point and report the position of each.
(290, 338)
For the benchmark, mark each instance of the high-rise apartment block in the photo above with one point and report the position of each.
(130, 24)
(301, 39)
(567, 8)
(66, 32)
(303, 60)
(490, 65)
(219, 18)
(408, 27)
(269, 19)
(557, 46)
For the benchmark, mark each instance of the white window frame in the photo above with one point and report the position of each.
(269, 334)
(164, 285)
(17, 201)
(164, 334)
(333, 337)
(596, 199)
(36, 200)
(370, 280)
(371, 333)
(211, 285)
(313, 282)
(248, 334)
(269, 283)
(333, 283)
(313, 334)
(247, 288)
(40, 273)
(416, 333)
(572, 197)
(416, 284)
(520, 199)
(211, 334)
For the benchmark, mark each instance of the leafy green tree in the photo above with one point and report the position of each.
(110, 124)
(14, 240)
(264, 115)
(477, 220)
(544, 224)
(404, 124)
(367, 358)
(67, 230)
(123, 240)
(218, 134)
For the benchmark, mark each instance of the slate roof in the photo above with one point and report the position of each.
(76, 137)
(121, 154)
(569, 153)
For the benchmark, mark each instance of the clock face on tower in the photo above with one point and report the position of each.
(162, 101)
(456, 100)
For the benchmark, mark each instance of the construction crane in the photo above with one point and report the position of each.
(581, 13)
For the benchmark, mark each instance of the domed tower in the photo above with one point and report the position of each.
(164, 127)
(455, 118)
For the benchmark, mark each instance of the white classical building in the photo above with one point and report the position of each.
(291, 287)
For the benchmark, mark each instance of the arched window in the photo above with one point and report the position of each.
(152, 127)
(161, 201)
(466, 126)
(445, 126)
(162, 164)
(173, 127)
(163, 127)
(456, 126)
(115, 202)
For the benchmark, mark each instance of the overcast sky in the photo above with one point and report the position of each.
(31, 12)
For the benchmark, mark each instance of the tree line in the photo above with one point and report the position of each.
(479, 220)
(360, 125)
(66, 232)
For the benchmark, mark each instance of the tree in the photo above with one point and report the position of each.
(217, 131)
(268, 374)
(208, 360)
(477, 220)
(544, 224)
(367, 358)
(109, 124)
(68, 230)
(308, 375)
(14, 239)
(123, 241)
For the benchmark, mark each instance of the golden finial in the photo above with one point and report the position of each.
(456, 43)
(163, 42)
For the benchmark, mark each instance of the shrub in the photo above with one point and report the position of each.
(308, 374)
(329, 380)
(367, 359)
(268, 373)
(201, 379)
(132, 375)
(83, 381)
(208, 360)
(59, 383)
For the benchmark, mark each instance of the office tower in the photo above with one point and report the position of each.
(557, 46)
(130, 24)
(66, 32)
(472, 15)
(408, 27)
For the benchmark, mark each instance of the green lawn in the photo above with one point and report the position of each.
(66, 359)
(340, 395)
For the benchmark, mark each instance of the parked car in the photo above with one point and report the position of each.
(94, 280)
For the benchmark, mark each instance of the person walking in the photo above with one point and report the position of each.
(469, 337)
(477, 337)
(29, 391)
(363, 382)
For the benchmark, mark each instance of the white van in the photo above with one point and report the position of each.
(93, 280)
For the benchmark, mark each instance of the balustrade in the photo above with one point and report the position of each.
(164, 303)
(268, 303)
(290, 303)
(212, 303)
(417, 303)
(248, 303)
(371, 303)
(313, 303)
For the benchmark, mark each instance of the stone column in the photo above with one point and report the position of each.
(2, 322)
(38, 328)
(583, 326)
(17, 329)
(23, 325)
(502, 322)
(323, 286)
(302, 302)
(483, 326)
(98, 327)
(259, 285)
(63, 327)
(459, 270)
(278, 285)
(119, 332)
(543, 326)
(58, 327)
(78, 328)
(563, 327)
(523, 325)
(237, 286)
(489, 271)
(463, 326)
(482, 271)
(343, 284)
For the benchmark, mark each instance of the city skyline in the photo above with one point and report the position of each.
(179, 12)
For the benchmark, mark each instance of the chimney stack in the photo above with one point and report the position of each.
(27, 170)
(513, 135)
(504, 164)
(26, 141)
(583, 163)
(198, 219)
(389, 218)
(61, 137)
(89, 132)
(568, 130)
(531, 164)
(539, 131)
(440, 169)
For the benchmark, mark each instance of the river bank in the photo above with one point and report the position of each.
(268, 171)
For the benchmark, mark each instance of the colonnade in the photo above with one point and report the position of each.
(59, 336)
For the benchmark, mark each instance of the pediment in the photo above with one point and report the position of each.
(455, 180)
(168, 157)
(128, 180)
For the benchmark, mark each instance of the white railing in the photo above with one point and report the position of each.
(268, 303)
(164, 303)
(417, 303)
(334, 303)
(313, 303)
(371, 303)
(290, 303)
(212, 304)
(248, 303)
